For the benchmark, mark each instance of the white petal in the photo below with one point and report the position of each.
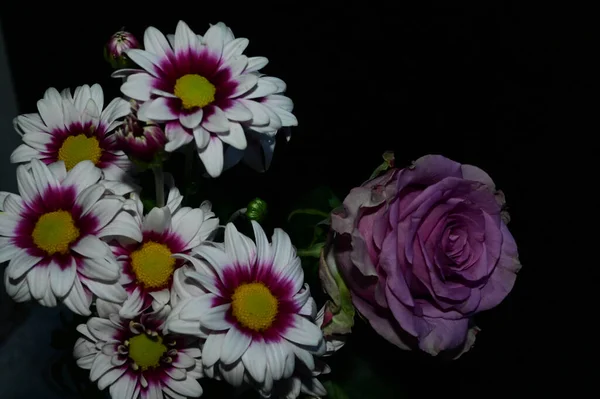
(245, 83)
(234, 345)
(233, 375)
(59, 170)
(30, 123)
(185, 39)
(175, 373)
(37, 140)
(104, 269)
(202, 137)
(91, 247)
(313, 387)
(124, 387)
(97, 95)
(138, 86)
(123, 225)
(255, 360)
(214, 318)
(187, 228)
(155, 42)
(89, 197)
(42, 176)
(51, 113)
(83, 175)
(21, 263)
(83, 347)
(237, 248)
(216, 257)
(276, 354)
(146, 60)
(282, 249)
(215, 38)
(256, 64)
(190, 387)
(91, 114)
(263, 247)
(110, 377)
(116, 109)
(235, 47)
(304, 356)
(7, 249)
(191, 120)
(177, 136)
(184, 361)
(212, 157)
(259, 113)
(160, 298)
(133, 305)
(158, 220)
(101, 365)
(79, 300)
(105, 308)
(303, 332)
(26, 187)
(110, 292)
(184, 327)
(216, 121)
(156, 110)
(62, 280)
(211, 351)
(105, 210)
(235, 137)
(206, 281)
(102, 329)
(195, 307)
(24, 153)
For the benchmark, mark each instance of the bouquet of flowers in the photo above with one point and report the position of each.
(172, 301)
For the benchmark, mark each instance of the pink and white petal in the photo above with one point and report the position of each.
(79, 299)
(260, 115)
(191, 120)
(216, 121)
(133, 305)
(239, 250)
(184, 361)
(116, 109)
(303, 332)
(256, 63)
(100, 366)
(21, 263)
(217, 258)
(83, 175)
(189, 387)
(185, 39)
(235, 137)
(234, 346)
(177, 136)
(255, 360)
(109, 292)
(138, 86)
(235, 66)
(24, 153)
(123, 225)
(156, 43)
(88, 197)
(212, 157)
(244, 83)
(283, 251)
(145, 59)
(91, 247)
(124, 387)
(293, 273)
(211, 351)
(38, 140)
(215, 319)
(235, 48)
(103, 329)
(153, 390)
(110, 377)
(158, 220)
(158, 109)
(62, 279)
(238, 112)
(51, 112)
(202, 137)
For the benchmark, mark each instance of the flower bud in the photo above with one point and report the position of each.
(256, 210)
(114, 51)
(338, 317)
(143, 142)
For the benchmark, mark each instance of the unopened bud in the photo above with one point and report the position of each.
(256, 210)
(119, 43)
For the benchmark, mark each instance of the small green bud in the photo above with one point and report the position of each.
(256, 210)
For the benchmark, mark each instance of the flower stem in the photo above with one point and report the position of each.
(237, 214)
(159, 183)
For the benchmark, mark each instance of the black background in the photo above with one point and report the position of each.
(480, 85)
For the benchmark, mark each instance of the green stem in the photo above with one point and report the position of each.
(159, 183)
(308, 211)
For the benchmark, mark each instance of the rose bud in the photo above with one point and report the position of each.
(114, 51)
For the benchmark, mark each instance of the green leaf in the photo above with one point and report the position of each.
(334, 391)
(313, 251)
(314, 212)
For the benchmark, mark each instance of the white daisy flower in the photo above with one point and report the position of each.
(252, 307)
(74, 128)
(135, 358)
(304, 381)
(203, 88)
(148, 267)
(52, 232)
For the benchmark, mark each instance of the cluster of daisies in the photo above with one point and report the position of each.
(168, 305)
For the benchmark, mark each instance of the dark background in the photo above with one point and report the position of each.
(480, 85)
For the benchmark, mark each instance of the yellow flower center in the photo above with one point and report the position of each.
(153, 264)
(54, 232)
(79, 148)
(254, 306)
(146, 351)
(194, 91)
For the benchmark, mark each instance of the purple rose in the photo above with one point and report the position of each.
(423, 249)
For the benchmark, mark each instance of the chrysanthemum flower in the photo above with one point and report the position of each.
(147, 267)
(141, 141)
(114, 51)
(74, 128)
(255, 312)
(135, 358)
(204, 88)
(52, 232)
